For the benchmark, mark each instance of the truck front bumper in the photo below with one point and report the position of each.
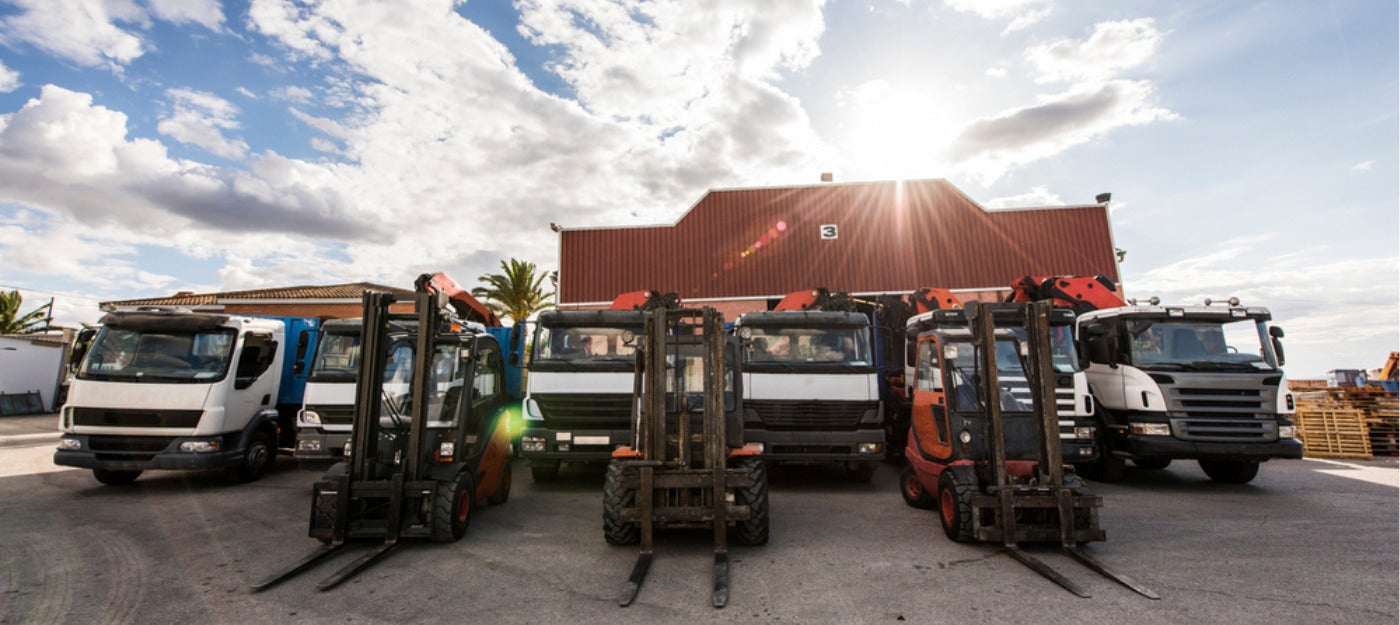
(540, 443)
(317, 446)
(130, 453)
(1134, 445)
(843, 446)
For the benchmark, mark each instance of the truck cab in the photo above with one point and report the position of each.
(1203, 383)
(578, 395)
(811, 389)
(328, 405)
(174, 389)
(1074, 402)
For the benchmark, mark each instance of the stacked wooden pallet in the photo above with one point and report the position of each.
(1348, 423)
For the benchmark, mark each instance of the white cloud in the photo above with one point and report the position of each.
(206, 13)
(996, 71)
(199, 119)
(1363, 166)
(243, 91)
(988, 147)
(82, 31)
(292, 93)
(1021, 13)
(1112, 48)
(1316, 302)
(9, 79)
(1036, 197)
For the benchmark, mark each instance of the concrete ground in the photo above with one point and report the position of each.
(1307, 542)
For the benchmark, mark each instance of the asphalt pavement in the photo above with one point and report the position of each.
(1307, 542)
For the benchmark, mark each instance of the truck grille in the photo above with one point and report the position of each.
(1215, 402)
(1225, 430)
(334, 415)
(123, 417)
(129, 444)
(585, 411)
(809, 415)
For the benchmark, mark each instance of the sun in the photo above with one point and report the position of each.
(896, 131)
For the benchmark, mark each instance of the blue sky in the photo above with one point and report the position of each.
(151, 146)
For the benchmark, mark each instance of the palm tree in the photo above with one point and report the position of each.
(11, 322)
(517, 293)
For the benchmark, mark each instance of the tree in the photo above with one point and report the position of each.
(517, 293)
(11, 322)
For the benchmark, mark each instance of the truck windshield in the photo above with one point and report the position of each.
(808, 346)
(582, 346)
(1201, 344)
(169, 357)
(1063, 355)
(337, 358)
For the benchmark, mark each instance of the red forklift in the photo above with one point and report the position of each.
(989, 462)
(688, 466)
(429, 440)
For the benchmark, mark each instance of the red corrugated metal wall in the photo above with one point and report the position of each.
(890, 237)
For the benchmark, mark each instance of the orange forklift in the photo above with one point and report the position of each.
(989, 462)
(429, 438)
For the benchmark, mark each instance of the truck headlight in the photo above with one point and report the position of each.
(311, 417)
(1084, 431)
(199, 447)
(870, 448)
(70, 443)
(531, 443)
(1150, 429)
(532, 410)
(309, 444)
(1288, 431)
(447, 449)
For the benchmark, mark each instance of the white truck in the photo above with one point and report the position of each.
(811, 389)
(328, 405)
(163, 388)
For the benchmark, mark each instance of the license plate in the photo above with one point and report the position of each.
(592, 440)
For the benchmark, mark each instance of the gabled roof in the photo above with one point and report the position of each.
(353, 290)
(890, 236)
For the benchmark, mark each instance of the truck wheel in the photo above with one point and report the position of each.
(615, 500)
(544, 470)
(1152, 464)
(861, 473)
(1230, 471)
(256, 458)
(754, 530)
(913, 490)
(503, 489)
(115, 478)
(955, 506)
(452, 508)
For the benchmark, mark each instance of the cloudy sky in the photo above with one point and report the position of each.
(151, 146)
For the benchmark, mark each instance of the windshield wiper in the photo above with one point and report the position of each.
(1224, 366)
(763, 364)
(1167, 366)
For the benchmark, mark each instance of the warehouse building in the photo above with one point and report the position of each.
(741, 250)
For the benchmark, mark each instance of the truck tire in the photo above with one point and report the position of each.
(861, 473)
(615, 500)
(915, 495)
(754, 530)
(1152, 464)
(1230, 471)
(257, 457)
(503, 489)
(115, 478)
(544, 470)
(955, 506)
(452, 508)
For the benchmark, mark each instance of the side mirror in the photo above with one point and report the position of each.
(1276, 332)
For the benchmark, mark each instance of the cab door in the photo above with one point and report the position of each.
(929, 416)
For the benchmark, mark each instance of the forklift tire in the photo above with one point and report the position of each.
(544, 470)
(913, 490)
(1152, 464)
(1230, 471)
(324, 514)
(955, 506)
(452, 508)
(861, 473)
(115, 478)
(615, 500)
(257, 457)
(1083, 517)
(503, 489)
(754, 530)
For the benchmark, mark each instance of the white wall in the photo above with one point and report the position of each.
(27, 366)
